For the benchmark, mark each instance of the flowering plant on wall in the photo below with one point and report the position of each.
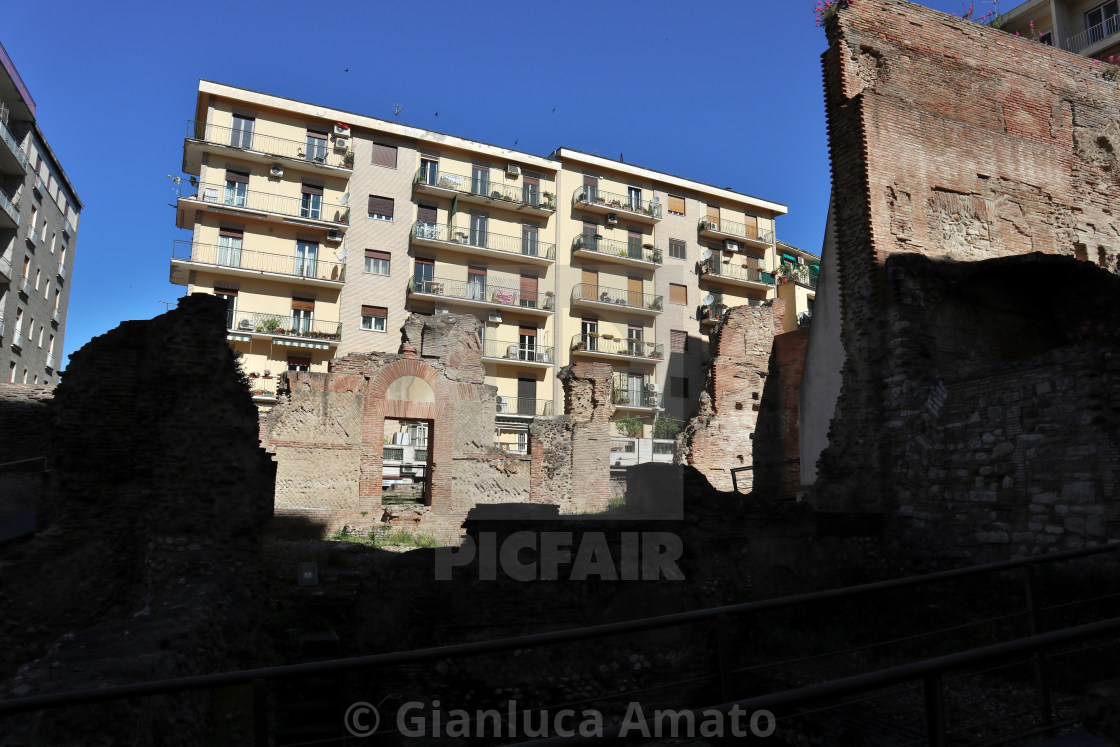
(826, 10)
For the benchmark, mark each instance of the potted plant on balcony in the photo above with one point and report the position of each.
(657, 256)
(267, 374)
(496, 195)
(254, 374)
(605, 297)
(546, 201)
(579, 345)
(607, 336)
(348, 159)
(655, 304)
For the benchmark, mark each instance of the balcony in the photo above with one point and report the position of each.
(263, 387)
(728, 230)
(9, 212)
(187, 256)
(631, 253)
(25, 287)
(50, 361)
(527, 198)
(283, 329)
(1106, 29)
(524, 407)
(593, 345)
(56, 316)
(538, 356)
(712, 315)
(17, 339)
(5, 269)
(12, 157)
(745, 277)
(281, 208)
(61, 271)
(485, 244)
(800, 274)
(495, 293)
(253, 146)
(3, 328)
(634, 399)
(598, 297)
(594, 200)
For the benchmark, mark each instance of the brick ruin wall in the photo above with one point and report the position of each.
(952, 140)
(25, 421)
(327, 434)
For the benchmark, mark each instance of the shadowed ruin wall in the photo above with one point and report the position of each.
(948, 139)
(25, 423)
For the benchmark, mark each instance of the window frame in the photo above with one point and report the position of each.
(673, 243)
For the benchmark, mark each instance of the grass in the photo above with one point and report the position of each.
(385, 537)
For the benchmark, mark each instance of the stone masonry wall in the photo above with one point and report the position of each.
(25, 422)
(777, 444)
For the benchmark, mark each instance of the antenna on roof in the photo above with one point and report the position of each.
(397, 109)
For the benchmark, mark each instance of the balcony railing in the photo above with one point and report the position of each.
(596, 196)
(50, 360)
(625, 397)
(612, 248)
(511, 446)
(1093, 34)
(56, 316)
(283, 325)
(528, 246)
(6, 267)
(61, 270)
(244, 259)
(624, 298)
(319, 152)
(538, 196)
(627, 346)
(488, 292)
(796, 274)
(538, 408)
(296, 207)
(514, 351)
(9, 207)
(712, 266)
(3, 328)
(261, 386)
(17, 339)
(733, 228)
(25, 287)
(8, 138)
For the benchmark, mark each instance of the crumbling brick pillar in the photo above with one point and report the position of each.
(719, 437)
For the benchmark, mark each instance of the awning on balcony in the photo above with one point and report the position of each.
(238, 338)
(302, 344)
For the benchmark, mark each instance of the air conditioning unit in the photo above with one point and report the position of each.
(731, 246)
(612, 219)
(511, 352)
(652, 387)
(513, 169)
(276, 170)
(334, 235)
(711, 225)
(246, 324)
(503, 404)
(496, 317)
(341, 143)
(442, 310)
(341, 130)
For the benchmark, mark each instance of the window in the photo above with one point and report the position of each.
(31, 225)
(241, 134)
(676, 205)
(530, 189)
(676, 248)
(678, 386)
(54, 239)
(589, 333)
(480, 180)
(380, 208)
(427, 222)
(303, 312)
(38, 278)
(528, 290)
(311, 201)
(429, 170)
(237, 188)
(306, 253)
(383, 155)
(229, 246)
(43, 232)
(57, 297)
(1047, 39)
(12, 372)
(635, 333)
(476, 283)
(316, 146)
(527, 343)
(423, 277)
(298, 363)
(634, 197)
(377, 263)
(678, 293)
(26, 268)
(479, 225)
(1102, 21)
(678, 341)
(375, 318)
(530, 245)
(230, 297)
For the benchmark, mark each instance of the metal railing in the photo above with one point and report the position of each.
(628, 346)
(262, 386)
(495, 290)
(596, 196)
(7, 137)
(712, 313)
(713, 266)
(613, 248)
(635, 397)
(6, 265)
(626, 299)
(25, 287)
(50, 360)
(296, 207)
(62, 270)
(734, 228)
(538, 196)
(9, 207)
(8, 65)
(1093, 34)
(319, 152)
(511, 447)
(528, 246)
(245, 259)
(538, 408)
(516, 351)
(283, 325)
(56, 315)
(17, 339)
(3, 327)
(795, 273)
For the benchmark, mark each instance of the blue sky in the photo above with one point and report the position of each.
(115, 84)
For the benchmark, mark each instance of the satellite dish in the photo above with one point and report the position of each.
(344, 199)
(706, 254)
(709, 299)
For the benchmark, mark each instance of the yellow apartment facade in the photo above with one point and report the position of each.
(1087, 27)
(325, 229)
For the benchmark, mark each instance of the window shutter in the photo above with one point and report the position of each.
(374, 254)
(427, 214)
(233, 233)
(678, 293)
(237, 176)
(312, 189)
(374, 311)
(676, 204)
(384, 155)
(317, 134)
(295, 360)
(529, 287)
(527, 331)
(381, 206)
(303, 304)
(225, 292)
(678, 340)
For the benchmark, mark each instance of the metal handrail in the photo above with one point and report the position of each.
(540, 408)
(6, 263)
(713, 266)
(270, 145)
(635, 398)
(624, 298)
(283, 325)
(596, 196)
(10, 207)
(534, 640)
(260, 386)
(484, 240)
(734, 228)
(495, 289)
(538, 196)
(1093, 34)
(246, 259)
(515, 351)
(7, 137)
(615, 248)
(618, 346)
(217, 194)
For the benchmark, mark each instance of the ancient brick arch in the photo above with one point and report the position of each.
(409, 390)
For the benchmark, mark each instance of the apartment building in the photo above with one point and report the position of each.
(38, 231)
(325, 228)
(796, 278)
(1086, 27)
